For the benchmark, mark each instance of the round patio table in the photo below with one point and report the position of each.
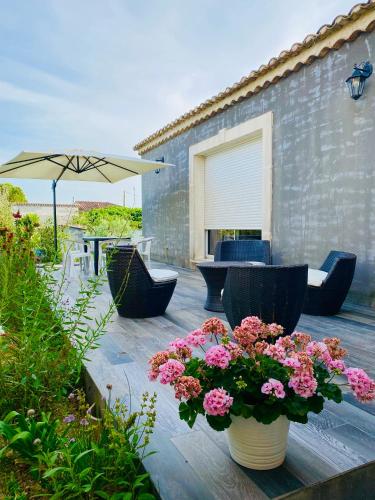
(97, 240)
(214, 274)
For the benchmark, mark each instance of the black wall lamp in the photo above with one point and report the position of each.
(161, 159)
(356, 82)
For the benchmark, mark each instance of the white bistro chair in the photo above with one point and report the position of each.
(144, 249)
(75, 249)
(103, 247)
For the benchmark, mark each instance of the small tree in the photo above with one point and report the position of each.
(14, 194)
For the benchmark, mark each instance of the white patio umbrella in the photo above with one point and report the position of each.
(76, 166)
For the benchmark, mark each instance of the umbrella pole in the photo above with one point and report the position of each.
(54, 182)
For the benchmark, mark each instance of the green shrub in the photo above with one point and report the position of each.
(6, 218)
(83, 456)
(44, 341)
(37, 361)
(44, 243)
(112, 221)
(14, 194)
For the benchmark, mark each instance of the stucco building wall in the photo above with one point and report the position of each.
(323, 169)
(65, 212)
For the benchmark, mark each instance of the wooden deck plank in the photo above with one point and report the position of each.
(221, 475)
(195, 464)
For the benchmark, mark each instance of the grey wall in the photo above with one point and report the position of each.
(323, 169)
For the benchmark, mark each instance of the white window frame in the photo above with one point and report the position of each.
(197, 153)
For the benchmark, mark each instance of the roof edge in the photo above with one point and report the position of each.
(344, 28)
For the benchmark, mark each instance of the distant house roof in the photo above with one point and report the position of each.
(346, 28)
(84, 206)
(71, 205)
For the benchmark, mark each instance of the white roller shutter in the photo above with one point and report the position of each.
(233, 187)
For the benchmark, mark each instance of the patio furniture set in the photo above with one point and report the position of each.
(240, 286)
(89, 251)
(241, 281)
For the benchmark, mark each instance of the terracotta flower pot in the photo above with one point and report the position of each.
(258, 446)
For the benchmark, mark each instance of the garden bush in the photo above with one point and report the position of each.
(112, 221)
(51, 442)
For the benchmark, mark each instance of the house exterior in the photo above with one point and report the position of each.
(285, 154)
(65, 211)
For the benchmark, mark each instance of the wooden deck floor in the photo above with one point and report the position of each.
(195, 464)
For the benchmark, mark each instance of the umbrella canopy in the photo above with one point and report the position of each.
(76, 166)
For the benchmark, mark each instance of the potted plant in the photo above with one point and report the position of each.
(255, 382)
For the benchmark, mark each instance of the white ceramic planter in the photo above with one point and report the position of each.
(258, 446)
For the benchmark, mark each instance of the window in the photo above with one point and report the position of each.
(215, 235)
(230, 185)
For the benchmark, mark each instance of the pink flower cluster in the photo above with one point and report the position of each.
(214, 326)
(334, 348)
(234, 350)
(218, 356)
(275, 351)
(187, 387)
(217, 402)
(303, 383)
(302, 380)
(181, 348)
(301, 339)
(196, 338)
(297, 353)
(170, 371)
(273, 387)
(318, 350)
(253, 329)
(361, 384)
(155, 362)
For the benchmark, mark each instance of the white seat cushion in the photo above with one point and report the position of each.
(160, 275)
(315, 277)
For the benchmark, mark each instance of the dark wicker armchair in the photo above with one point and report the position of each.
(136, 294)
(246, 250)
(273, 293)
(327, 299)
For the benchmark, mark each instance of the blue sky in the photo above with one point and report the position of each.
(102, 74)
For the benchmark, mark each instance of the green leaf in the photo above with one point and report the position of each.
(266, 414)
(81, 455)
(146, 496)
(219, 423)
(53, 472)
(316, 403)
(21, 436)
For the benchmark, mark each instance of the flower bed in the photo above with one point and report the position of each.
(52, 442)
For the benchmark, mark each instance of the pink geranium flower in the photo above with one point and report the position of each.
(187, 387)
(217, 402)
(301, 339)
(273, 330)
(336, 365)
(196, 338)
(275, 352)
(170, 371)
(361, 384)
(273, 387)
(303, 383)
(181, 348)
(218, 356)
(252, 323)
(214, 326)
(291, 362)
(234, 350)
(246, 337)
